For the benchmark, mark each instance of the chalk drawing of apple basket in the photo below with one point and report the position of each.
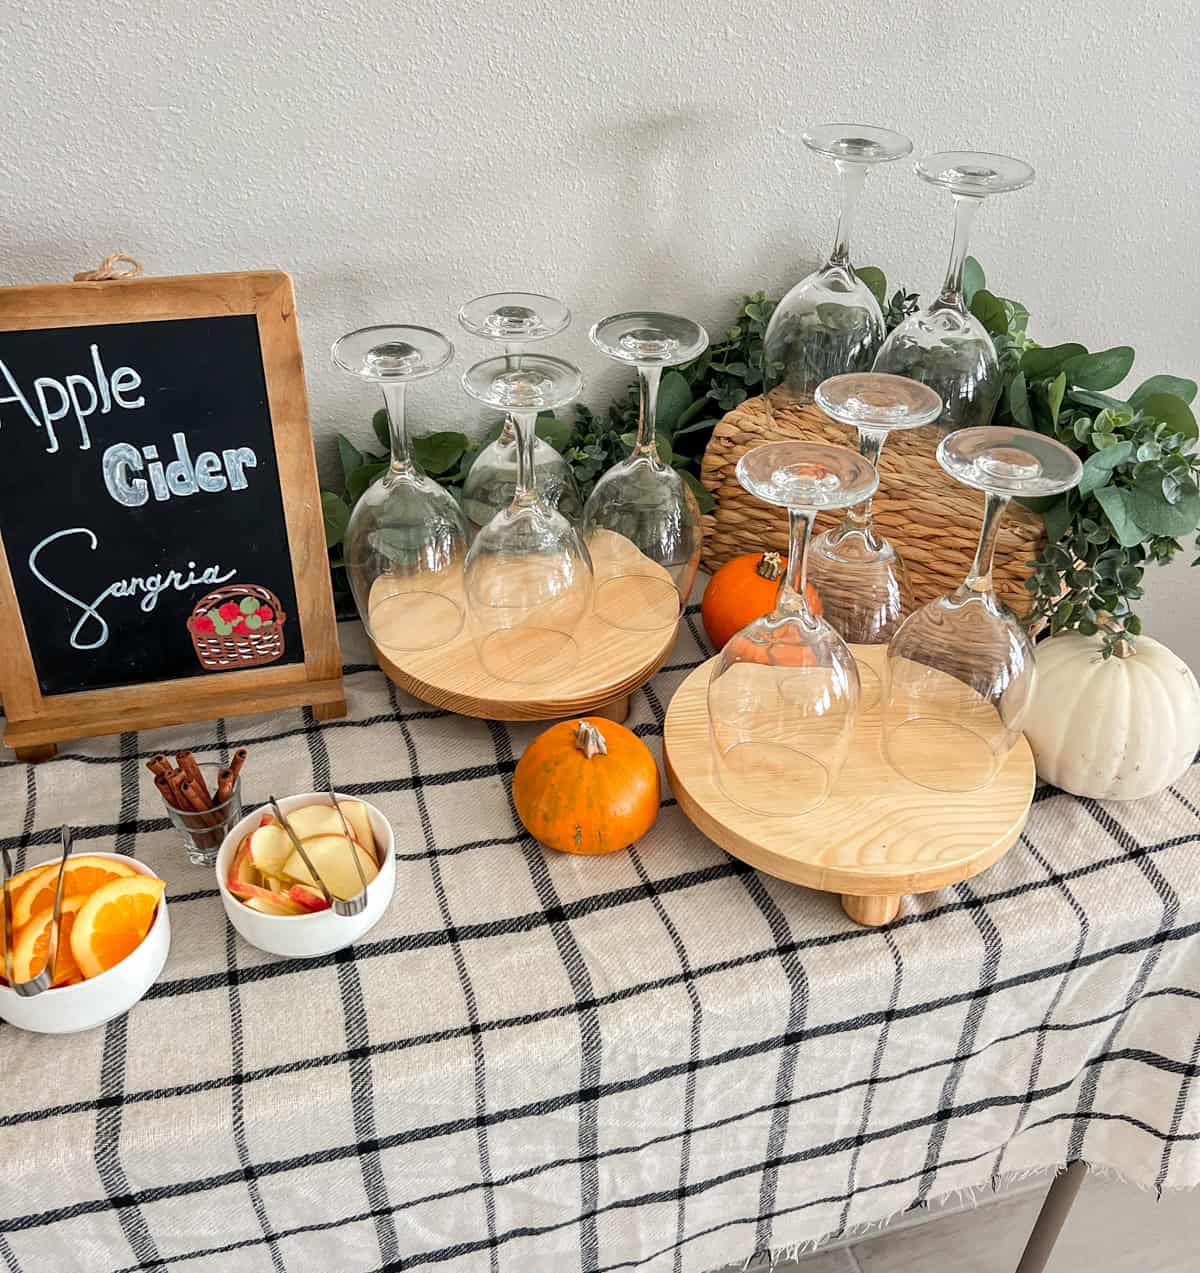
(239, 625)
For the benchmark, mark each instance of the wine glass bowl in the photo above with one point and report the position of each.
(528, 576)
(783, 697)
(960, 672)
(514, 320)
(405, 542)
(641, 521)
(943, 344)
(830, 322)
(859, 575)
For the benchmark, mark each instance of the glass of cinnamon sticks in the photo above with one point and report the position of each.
(203, 800)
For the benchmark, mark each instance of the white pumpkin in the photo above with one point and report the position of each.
(1116, 728)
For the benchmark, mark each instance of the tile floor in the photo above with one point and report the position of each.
(1112, 1228)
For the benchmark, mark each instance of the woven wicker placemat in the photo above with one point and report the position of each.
(931, 519)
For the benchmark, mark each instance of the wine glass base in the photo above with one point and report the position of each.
(918, 748)
(528, 655)
(407, 621)
(637, 603)
(769, 778)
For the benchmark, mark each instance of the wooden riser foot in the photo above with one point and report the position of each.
(329, 711)
(616, 710)
(871, 912)
(35, 755)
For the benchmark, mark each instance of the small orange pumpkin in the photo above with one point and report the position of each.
(587, 786)
(744, 589)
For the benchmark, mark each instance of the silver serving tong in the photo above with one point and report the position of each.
(35, 986)
(358, 902)
(352, 906)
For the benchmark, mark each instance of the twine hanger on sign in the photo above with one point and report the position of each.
(117, 265)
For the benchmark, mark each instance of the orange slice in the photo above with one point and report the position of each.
(31, 943)
(18, 881)
(113, 921)
(82, 874)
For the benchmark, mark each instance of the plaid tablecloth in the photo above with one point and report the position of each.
(537, 1063)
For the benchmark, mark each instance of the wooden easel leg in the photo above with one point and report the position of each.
(329, 711)
(871, 912)
(34, 755)
(617, 710)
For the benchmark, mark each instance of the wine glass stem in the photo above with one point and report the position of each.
(526, 426)
(870, 446)
(965, 207)
(393, 400)
(512, 362)
(980, 577)
(852, 178)
(792, 596)
(647, 441)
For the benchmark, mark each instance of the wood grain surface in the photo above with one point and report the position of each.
(612, 663)
(877, 836)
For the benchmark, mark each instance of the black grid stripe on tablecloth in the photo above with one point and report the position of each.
(748, 1095)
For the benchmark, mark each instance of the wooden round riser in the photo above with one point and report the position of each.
(612, 664)
(877, 837)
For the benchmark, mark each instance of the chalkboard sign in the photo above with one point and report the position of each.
(159, 510)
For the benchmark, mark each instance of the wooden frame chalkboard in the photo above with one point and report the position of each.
(219, 352)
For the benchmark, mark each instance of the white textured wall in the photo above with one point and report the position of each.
(398, 158)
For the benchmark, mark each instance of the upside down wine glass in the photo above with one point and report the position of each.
(406, 539)
(784, 694)
(515, 319)
(641, 522)
(943, 344)
(830, 322)
(528, 575)
(959, 675)
(859, 576)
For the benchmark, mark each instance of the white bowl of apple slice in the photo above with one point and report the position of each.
(268, 893)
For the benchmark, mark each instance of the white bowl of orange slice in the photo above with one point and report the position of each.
(268, 893)
(113, 940)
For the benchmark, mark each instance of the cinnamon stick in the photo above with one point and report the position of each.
(191, 770)
(225, 784)
(159, 765)
(239, 759)
(204, 824)
(165, 789)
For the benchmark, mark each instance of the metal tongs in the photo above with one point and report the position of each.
(44, 979)
(341, 906)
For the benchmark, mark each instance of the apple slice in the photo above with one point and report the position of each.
(247, 891)
(314, 820)
(243, 869)
(275, 884)
(271, 905)
(270, 849)
(330, 854)
(307, 897)
(360, 823)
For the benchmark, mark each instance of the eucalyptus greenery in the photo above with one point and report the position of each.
(1139, 497)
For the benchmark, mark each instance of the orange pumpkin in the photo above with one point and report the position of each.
(587, 786)
(743, 590)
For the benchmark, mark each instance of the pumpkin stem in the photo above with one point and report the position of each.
(770, 566)
(1124, 648)
(590, 740)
